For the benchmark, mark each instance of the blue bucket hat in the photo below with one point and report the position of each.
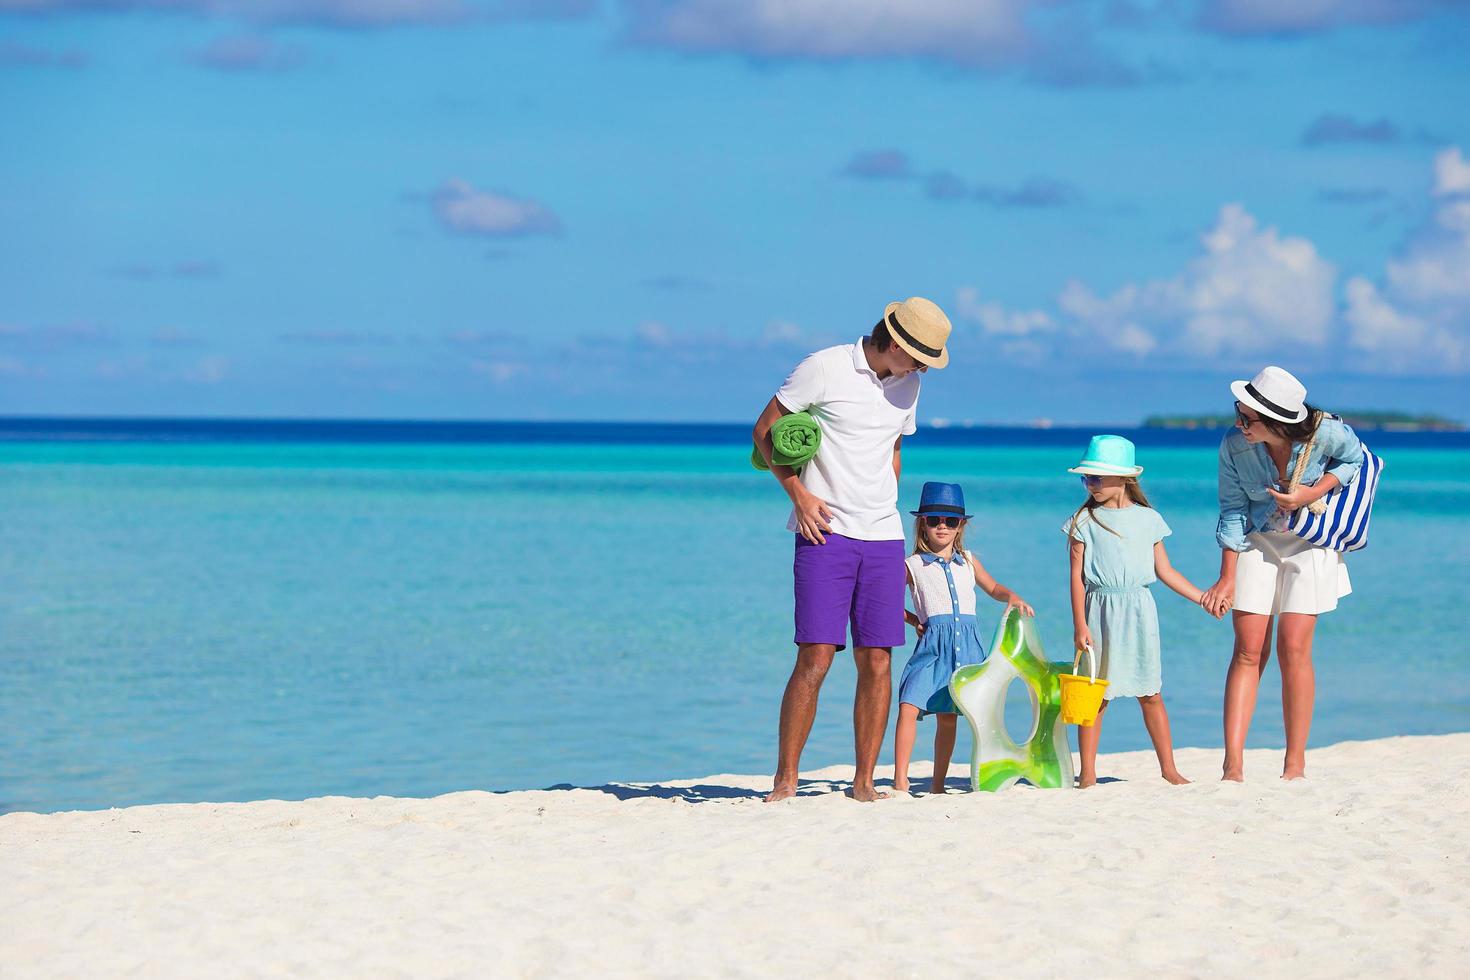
(1108, 456)
(942, 499)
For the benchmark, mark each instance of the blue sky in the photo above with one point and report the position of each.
(651, 209)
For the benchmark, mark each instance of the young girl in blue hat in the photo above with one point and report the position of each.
(1116, 544)
(942, 577)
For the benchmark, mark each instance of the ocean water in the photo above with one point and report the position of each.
(224, 613)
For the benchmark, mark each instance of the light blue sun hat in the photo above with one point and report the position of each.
(1108, 456)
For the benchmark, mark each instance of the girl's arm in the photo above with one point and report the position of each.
(1176, 580)
(1081, 635)
(996, 591)
(908, 617)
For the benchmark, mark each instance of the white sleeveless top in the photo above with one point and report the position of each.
(938, 594)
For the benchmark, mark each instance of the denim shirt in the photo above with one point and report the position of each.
(1246, 471)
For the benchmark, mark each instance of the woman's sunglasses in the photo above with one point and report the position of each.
(934, 521)
(1241, 420)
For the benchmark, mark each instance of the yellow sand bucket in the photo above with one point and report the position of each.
(1082, 697)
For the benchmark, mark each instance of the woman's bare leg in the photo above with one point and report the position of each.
(1156, 720)
(1298, 687)
(1252, 651)
(1087, 739)
(943, 749)
(903, 745)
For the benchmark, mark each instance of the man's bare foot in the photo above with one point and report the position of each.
(1174, 778)
(866, 794)
(1085, 781)
(781, 791)
(1232, 775)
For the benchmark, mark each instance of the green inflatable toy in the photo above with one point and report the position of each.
(795, 439)
(979, 690)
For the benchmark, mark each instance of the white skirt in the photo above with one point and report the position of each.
(1282, 573)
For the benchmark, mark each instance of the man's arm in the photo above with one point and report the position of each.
(812, 513)
(898, 458)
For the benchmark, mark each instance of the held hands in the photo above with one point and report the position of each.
(812, 515)
(1219, 598)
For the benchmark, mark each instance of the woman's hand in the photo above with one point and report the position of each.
(919, 628)
(1219, 597)
(1295, 500)
(1216, 610)
(1016, 602)
(1081, 638)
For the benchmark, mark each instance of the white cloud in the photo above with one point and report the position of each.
(1451, 172)
(996, 320)
(207, 370)
(499, 372)
(1251, 290)
(1420, 318)
(1304, 16)
(968, 32)
(326, 13)
(463, 208)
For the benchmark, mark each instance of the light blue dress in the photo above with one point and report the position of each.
(1117, 569)
(944, 601)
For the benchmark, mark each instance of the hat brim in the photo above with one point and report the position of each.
(940, 513)
(1086, 468)
(938, 363)
(1245, 397)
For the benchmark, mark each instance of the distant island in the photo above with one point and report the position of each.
(1389, 421)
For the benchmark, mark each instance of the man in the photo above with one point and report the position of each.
(849, 538)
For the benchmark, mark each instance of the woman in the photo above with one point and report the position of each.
(1265, 570)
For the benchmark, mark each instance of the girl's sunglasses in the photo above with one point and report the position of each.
(1090, 479)
(934, 521)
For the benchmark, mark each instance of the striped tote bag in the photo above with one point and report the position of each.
(1343, 524)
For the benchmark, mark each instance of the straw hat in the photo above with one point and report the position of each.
(1275, 393)
(921, 328)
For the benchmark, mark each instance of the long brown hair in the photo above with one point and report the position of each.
(921, 541)
(1131, 487)
(1294, 432)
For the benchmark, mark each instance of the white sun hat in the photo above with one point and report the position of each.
(1275, 393)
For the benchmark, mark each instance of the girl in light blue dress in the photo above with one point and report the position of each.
(1116, 544)
(942, 578)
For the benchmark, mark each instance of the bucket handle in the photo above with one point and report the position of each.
(1091, 662)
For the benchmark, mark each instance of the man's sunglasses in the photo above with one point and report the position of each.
(934, 521)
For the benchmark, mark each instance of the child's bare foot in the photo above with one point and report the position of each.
(1232, 774)
(1086, 780)
(781, 791)
(1174, 778)
(900, 785)
(937, 787)
(1293, 773)
(866, 793)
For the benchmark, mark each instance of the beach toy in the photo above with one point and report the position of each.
(1082, 697)
(795, 439)
(979, 690)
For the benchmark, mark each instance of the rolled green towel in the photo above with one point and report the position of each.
(795, 439)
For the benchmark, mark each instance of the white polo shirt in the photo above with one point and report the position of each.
(861, 417)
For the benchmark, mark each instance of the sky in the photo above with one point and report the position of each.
(653, 209)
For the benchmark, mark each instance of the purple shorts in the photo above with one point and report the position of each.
(847, 580)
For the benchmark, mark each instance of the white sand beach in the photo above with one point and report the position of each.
(1360, 870)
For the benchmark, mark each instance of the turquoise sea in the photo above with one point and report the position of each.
(199, 612)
